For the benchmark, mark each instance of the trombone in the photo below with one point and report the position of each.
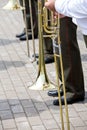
(32, 27)
(14, 5)
(42, 82)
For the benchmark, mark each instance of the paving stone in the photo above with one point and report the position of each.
(27, 103)
(81, 128)
(50, 124)
(30, 111)
(38, 127)
(77, 122)
(17, 108)
(8, 124)
(4, 106)
(6, 114)
(41, 106)
(23, 125)
(1, 128)
(35, 120)
(20, 117)
(83, 115)
(45, 115)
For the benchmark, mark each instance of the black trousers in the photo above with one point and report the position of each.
(73, 73)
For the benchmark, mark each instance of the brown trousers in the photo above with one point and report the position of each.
(73, 73)
(85, 39)
(34, 14)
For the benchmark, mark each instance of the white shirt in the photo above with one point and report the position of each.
(76, 9)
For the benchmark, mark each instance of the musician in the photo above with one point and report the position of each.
(73, 73)
(22, 36)
(77, 9)
(48, 48)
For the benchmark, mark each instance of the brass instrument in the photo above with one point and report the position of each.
(14, 5)
(62, 79)
(42, 82)
(32, 31)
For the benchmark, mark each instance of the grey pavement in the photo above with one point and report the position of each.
(21, 108)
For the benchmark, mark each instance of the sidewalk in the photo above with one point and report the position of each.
(21, 108)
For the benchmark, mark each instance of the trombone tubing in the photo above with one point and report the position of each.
(53, 31)
(31, 25)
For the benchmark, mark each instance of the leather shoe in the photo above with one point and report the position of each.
(54, 93)
(48, 60)
(70, 99)
(36, 55)
(20, 35)
(23, 38)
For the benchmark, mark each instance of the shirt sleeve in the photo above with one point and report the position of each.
(72, 8)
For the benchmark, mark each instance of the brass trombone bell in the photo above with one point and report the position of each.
(13, 5)
(42, 84)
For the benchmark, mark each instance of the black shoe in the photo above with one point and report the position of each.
(48, 60)
(54, 93)
(69, 99)
(20, 35)
(36, 55)
(23, 38)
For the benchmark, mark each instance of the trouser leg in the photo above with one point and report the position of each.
(85, 39)
(48, 47)
(34, 15)
(72, 66)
